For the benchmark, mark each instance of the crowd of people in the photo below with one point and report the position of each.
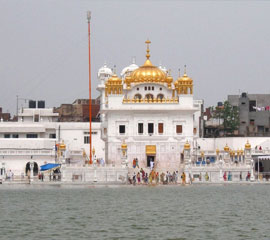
(154, 177)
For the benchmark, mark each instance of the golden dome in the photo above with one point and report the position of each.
(187, 146)
(247, 145)
(148, 72)
(226, 148)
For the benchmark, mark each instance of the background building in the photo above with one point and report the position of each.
(254, 113)
(78, 111)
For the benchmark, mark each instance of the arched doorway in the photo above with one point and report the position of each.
(148, 96)
(138, 96)
(27, 168)
(160, 96)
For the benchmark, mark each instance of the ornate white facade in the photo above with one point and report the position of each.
(153, 114)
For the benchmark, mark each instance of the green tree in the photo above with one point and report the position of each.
(231, 118)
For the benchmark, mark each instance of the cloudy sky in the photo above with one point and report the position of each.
(43, 45)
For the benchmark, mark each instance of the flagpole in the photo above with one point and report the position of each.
(90, 97)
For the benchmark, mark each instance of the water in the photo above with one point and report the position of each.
(165, 212)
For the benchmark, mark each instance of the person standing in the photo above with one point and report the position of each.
(176, 177)
(225, 176)
(139, 177)
(183, 178)
(134, 178)
(157, 178)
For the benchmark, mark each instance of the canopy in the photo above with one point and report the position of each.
(49, 166)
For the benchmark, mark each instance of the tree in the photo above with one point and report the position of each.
(231, 118)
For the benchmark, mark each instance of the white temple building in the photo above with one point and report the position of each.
(149, 111)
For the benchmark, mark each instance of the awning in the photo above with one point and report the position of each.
(49, 166)
(150, 149)
(267, 157)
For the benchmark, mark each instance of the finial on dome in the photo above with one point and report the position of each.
(147, 50)
(185, 69)
(114, 69)
(179, 72)
(133, 60)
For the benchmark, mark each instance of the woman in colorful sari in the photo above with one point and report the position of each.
(157, 178)
(225, 176)
(150, 177)
(183, 178)
(139, 178)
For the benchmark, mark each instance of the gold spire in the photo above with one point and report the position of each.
(187, 145)
(247, 145)
(147, 49)
(185, 69)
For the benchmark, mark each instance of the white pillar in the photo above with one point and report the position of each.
(252, 178)
(220, 171)
(31, 171)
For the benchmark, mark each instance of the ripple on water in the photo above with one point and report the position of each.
(170, 212)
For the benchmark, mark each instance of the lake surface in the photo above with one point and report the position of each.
(164, 212)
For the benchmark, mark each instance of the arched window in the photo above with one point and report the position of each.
(138, 96)
(148, 96)
(160, 96)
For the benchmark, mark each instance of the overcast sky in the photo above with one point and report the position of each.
(44, 48)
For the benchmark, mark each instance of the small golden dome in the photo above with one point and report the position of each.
(185, 77)
(247, 145)
(187, 146)
(114, 79)
(226, 148)
(124, 145)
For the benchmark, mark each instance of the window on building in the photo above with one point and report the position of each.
(86, 139)
(105, 131)
(194, 131)
(145, 88)
(138, 89)
(252, 106)
(122, 129)
(140, 128)
(252, 122)
(36, 118)
(160, 89)
(179, 129)
(261, 129)
(150, 128)
(31, 135)
(160, 128)
(52, 135)
(15, 135)
(6, 135)
(153, 88)
(149, 88)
